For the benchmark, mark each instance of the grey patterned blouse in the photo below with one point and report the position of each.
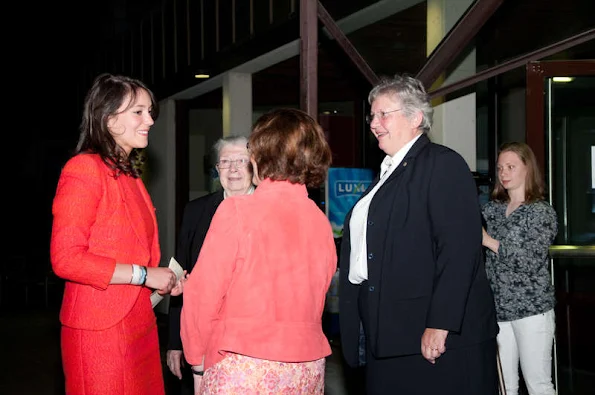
(519, 272)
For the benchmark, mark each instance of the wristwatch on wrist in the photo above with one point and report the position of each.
(197, 372)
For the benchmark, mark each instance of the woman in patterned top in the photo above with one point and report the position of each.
(520, 228)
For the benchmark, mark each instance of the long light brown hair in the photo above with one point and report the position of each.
(534, 185)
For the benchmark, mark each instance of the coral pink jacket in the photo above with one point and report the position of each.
(98, 221)
(260, 281)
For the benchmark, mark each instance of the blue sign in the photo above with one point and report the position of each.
(344, 187)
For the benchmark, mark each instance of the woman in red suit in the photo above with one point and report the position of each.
(105, 245)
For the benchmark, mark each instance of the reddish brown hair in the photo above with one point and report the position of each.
(288, 144)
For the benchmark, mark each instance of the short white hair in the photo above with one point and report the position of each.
(240, 141)
(410, 92)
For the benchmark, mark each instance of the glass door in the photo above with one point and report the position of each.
(561, 129)
(570, 117)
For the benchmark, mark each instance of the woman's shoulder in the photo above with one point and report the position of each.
(542, 207)
(209, 197)
(84, 160)
(83, 173)
(88, 168)
(491, 205)
(205, 201)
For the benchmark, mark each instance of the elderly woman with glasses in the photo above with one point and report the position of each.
(412, 275)
(235, 175)
(252, 316)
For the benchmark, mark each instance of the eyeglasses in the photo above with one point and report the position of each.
(238, 163)
(383, 114)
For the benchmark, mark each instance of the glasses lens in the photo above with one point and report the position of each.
(369, 119)
(238, 163)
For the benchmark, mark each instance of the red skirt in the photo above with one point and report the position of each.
(122, 360)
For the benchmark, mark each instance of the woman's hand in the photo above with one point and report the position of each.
(197, 385)
(179, 287)
(175, 362)
(198, 377)
(488, 241)
(163, 279)
(433, 343)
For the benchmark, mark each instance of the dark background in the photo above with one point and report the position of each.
(45, 49)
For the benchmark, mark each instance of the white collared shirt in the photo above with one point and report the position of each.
(249, 192)
(358, 264)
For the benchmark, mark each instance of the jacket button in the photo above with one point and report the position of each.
(370, 223)
(370, 256)
(371, 288)
(404, 164)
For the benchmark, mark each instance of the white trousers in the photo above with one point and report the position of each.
(528, 341)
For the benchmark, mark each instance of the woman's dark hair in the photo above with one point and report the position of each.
(288, 144)
(534, 185)
(106, 96)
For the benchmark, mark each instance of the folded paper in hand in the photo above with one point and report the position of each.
(179, 272)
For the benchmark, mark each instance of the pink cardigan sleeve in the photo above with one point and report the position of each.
(208, 283)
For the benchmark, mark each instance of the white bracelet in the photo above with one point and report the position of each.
(136, 275)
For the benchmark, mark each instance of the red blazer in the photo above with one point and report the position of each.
(98, 221)
(258, 287)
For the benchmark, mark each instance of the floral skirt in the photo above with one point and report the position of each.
(239, 374)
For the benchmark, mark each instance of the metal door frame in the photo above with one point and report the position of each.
(536, 137)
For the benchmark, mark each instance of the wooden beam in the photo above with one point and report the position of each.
(516, 62)
(456, 40)
(346, 45)
(309, 57)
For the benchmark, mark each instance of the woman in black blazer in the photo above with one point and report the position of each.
(411, 261)
(235, 174)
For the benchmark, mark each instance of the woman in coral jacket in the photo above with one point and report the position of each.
(254, 300)
(105, 245)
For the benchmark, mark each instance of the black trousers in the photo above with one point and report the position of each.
(470, 370)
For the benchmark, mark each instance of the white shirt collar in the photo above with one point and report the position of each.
(250, 191)
(391, 162)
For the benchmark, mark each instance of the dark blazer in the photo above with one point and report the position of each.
(425, 262)
(198, 214)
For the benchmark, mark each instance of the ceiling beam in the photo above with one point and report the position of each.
(346, 45)
(457, 39)
(516, 62)
(309, 57)
(351, 23)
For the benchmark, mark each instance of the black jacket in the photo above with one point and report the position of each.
(425, 261)
(198, 214)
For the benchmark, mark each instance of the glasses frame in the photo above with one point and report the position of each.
(241, 163)
(383, 114)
